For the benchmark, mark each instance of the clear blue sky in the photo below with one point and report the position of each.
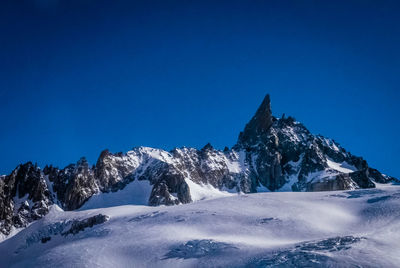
(77, 77)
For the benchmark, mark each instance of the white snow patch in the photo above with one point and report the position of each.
(204, 191)
(157, 154)
(343, 167)
(135, 193)
(55, 209)
(322, 175)
(234, 166)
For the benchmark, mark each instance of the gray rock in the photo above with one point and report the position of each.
(80, 225)
(25, 183)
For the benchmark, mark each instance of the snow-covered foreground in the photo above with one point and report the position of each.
(345, 228)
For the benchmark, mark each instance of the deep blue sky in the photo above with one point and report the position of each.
(77, 77)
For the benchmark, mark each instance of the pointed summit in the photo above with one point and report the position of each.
(260, 122)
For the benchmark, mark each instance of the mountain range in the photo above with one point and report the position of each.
(271, 154)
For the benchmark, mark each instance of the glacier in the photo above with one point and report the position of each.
(353, 228)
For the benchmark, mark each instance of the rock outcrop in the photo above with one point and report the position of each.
(24, 197)
(73, 185)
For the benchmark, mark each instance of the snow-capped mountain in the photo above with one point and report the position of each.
(272, 154)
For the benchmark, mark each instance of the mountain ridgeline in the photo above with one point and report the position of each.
(272, 154)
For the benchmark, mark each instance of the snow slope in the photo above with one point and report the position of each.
(341, 167)
(344, 228)
(136, 192)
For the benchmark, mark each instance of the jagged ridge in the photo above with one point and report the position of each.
(271, 154)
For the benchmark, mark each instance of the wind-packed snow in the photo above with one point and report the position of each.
(359, 228)
(327, 174)
(341, 167)
(135, 193)
(234, 166)
(202, 192)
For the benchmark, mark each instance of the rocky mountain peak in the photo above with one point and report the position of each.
(259, 124)
(82, 163)
(271, 154)
(207, 147)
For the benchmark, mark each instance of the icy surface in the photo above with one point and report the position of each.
(357, 228)
(310, 254)
(198, 249)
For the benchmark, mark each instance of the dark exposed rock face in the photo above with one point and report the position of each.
(80, 225)
(113, 172)
(74, 184)
(24, 197)
(259, 124)
(283, 149)
(379, 177)
(271, 154)
(160, 195)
